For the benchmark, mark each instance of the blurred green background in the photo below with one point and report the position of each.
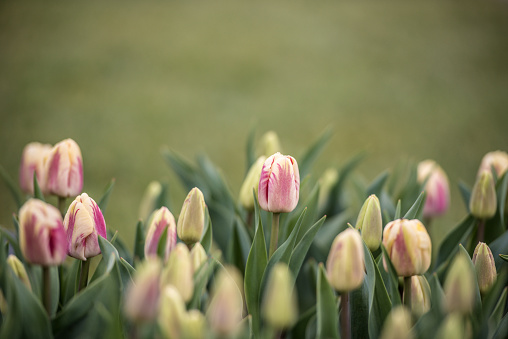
(402, 80)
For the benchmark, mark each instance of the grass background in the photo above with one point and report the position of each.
(399, 79)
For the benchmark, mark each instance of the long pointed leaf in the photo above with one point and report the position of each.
(13, 188)
(326, 308)
(103, 202)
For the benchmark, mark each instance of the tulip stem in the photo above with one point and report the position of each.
(345, 323)
(61, 205)
(274, 238)
(407, 292)
(46, 278)
(481, 230)
(83, 277)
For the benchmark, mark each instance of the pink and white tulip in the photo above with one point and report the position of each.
(83, 223)
(279, 184)
(33, 160)
(65, 169)
(496, 159)
(41, 233)
(436, 187)
(162, 219)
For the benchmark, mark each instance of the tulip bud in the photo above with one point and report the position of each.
(437, 188)
(33, 160)
(452, 328)
(397, 324)
(172, 312)
(226, 307)
(269, 144)
(497, 159)
(193, 325)
(65, 169)
(279, 184)
(483, 201)
(251, 182)
(408, 245)
(19, 270)
(162, 219)
(198, 256)
(83, 223)
(346, 261)
(150, 200)
(420, 295)
(280, 308)
(192, 217)
(178, 272)
(143, 294)
(370, 222)
(41, 233)
(326, 182)
(459, 285)
(485, 267)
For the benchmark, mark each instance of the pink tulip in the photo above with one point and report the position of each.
(65, 169)
(436, 187)
(33, 160)
(279, 184)
(41, 233)
(162, 219)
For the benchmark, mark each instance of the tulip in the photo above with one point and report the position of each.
(191, 221)
(485, 267)
(408, 245)
(345, 263)
(420, 295)
(225, 311)
(437, 188)
(452, 327)
(161, 220)
(483, 201)
(83, 223)
(198, 256)
(42, 234)
(19, 270)
(269, 144)
(143, 294)
(178, 272)
(172, 312)
(33, 160)
(397, 324)
(497, 159)
(280, 308)
(459, 285)
(64, 169)
(150, 200)
(370, 222)
(251, 182)
(193, 325)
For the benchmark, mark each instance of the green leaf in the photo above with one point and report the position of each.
(11, 239)
(300, 250)
(206, 240)
(497, 314)
(103, 202)
(298, 331)
(504, 257)
(201, 278)
(477, 308)
(37, 190)
(311, 154)
(417, 207)
(109, 252)
(465, 193)
(502, 328)
(377, 185)
(13, 188)
(398, 210)
(326, 308)
(161, 246)
(359, 308)
(502, 190)
(239, 246)
(70, 281)
(250, 149)
(139, 243)
(184, 170)
(324, 238)
(391, 277)
(458, 235)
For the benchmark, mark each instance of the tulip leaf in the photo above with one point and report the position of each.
(55, 288)
(70, 281)
(188, 175)
(495, 226)
(131, 270)
(477, 308)
(301, 249)
(13, 188)
(502, 329)
(450, 244)
(391, 277)
(206, 240)
(250, 149)
(103, 202)
(430, 321)
(201, 278)
(491, 298)
(504, 257)
(37, 190)
(120, 246)
(359, 308)
(309, 157)
(324, 238)
(139, 243)
(326, 308)
(377, 185)
(161, 245)
(108, 251)
(298, 331)
(497, 314)
(254, 271)
(502, 191)
(398, 210)
(239, 246)
(417, 207)
(11, 240)
(465, 193)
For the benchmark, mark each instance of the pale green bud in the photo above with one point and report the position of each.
(459, 285)
(397, 324)
(198, 256)
(370, 222)
(191, 221)
(452, 327)
(19, 270)
(269, 144)
(172, 312)
(280, 308)
(420, 295)
(485, 267)
(483, 201)
(193, 325)
(179, 273)
(251, 182)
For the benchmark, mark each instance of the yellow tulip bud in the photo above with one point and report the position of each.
(370, 222)
(483, 201)
(172, 312)
(397, 324)
(452, 328)
(193, 325)
(420, 295)
(280, 308)
(19, 270)
(269, 144)
(198, 256)
(192, 217)
(251, 182)
(497, 159)
(326, 183)
(485, 267)
(179, 273)
(459, 285)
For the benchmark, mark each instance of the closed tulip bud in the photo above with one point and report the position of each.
(172, 312)
(485, 267)
(370, 222)
(437, 188)
(459, 285)
(83, 223)
(198, 256)
(65, 169)
(497, 159)
(225, 311)
(279, 184)
(280, 308)
(41, 233)
(452, 328)
(33, 160)
(192, 217)
(150, 200)
(193, 325)
(251, 182)
(397, 324)
(346, 261)
(19, 270)
(483, 201)
(326, 183)
(143, 294)
(408, 245)
(179, 272)
(420, 295)
(161, 220)
(269, 144)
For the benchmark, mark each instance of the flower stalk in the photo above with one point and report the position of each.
(406, 298)
(345, 323)
(83, 276)
(274, 238)
(46, 282)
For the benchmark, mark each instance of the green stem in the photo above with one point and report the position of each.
(345, 323)
(407, 292)
(61, 205)
(83, 277)
(274, 238)
(481, 230)
(46, 282)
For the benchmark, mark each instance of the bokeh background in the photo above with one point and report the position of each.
(401, 80)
